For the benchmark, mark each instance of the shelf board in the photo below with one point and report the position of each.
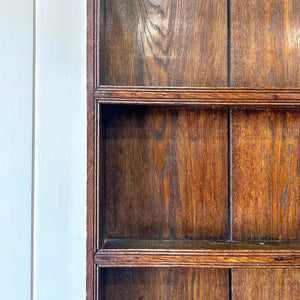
(133, 253)
(203, 97)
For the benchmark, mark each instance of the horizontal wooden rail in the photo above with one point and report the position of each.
(128, 253)
(206, 97)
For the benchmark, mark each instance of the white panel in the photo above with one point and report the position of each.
(16, 57)
(60, 187)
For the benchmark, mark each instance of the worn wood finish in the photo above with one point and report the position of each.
(166, 173)
(265, 175)
(128, 253)
(251, 98)
(165, 283)
(161, 172)
(280, 284)
(265, 49)
(90, 268)
(197, 245)
(265, 145)
(100, 156)
(165, 43)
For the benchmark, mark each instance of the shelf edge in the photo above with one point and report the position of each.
(198, 258)
(205, 97)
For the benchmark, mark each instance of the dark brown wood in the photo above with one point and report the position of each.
(163, 164)
(265, 48)
(164, 43)
(166, 283)
(128, 253)
(166, 173)
(265, 175)
(90, 249)
(280, 284)
(197, 245)
(229, 97)
(265, 145)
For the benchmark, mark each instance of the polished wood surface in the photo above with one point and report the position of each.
(265, 145)
(204, 98)
(198, 246)
(253, 284)
(165, 43)
(129, 253)
(265, 48)
(165, 163)
(165, 283)
(166, 173)
(265, 175)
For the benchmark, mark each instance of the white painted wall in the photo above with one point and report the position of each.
(60, 149)
(16, 58)
(60, 187)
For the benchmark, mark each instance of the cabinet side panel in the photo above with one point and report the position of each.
(266, 175)
(279, 284)
(265, 43)
(166, 174)
(165, 43)
(166, 283)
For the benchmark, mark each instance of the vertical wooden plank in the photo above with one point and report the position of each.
(265, 43)
(91, 128)
(166, 173)
(165, 43)
(259, 284)
(265, 145)
(266, 194)
(154, 189)
(166, 283)
(166, 178)
(266, 177)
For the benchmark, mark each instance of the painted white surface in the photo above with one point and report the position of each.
(60, 186)
(60, 161)
(16, 58)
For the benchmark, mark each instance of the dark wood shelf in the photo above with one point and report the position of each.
(193, 137)
(150, 253)
(205, 97)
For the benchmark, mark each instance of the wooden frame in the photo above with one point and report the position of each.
(123, 253)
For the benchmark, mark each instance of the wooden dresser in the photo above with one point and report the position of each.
(193, 149)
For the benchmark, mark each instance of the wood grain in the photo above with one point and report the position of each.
(166, 173)
(265, 145)
(129, 253)
(265, 44)
(198, 246)
(165, 43)
(160, 173)
(280, 284)
(99, 201)
(266, 175)
(90, 228)
(205, 97)
(165, 283)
